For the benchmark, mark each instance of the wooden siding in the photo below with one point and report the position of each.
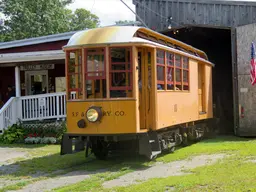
(189, 12)
(245, 35)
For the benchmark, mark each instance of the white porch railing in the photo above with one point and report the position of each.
(34, 107)
(44, 106)
(8, 114)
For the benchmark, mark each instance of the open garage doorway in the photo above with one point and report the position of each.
(216, 43)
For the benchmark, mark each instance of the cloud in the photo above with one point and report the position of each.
(108, 11)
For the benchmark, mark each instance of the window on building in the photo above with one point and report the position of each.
(95, 73)
(120, 72)
(74, 74)
(160, 69)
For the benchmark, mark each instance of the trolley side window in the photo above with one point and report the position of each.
(120, 72)
(185, 73)
(95, 73)
(172, 71)
(178, 72)
(74, 74)
(160, 69)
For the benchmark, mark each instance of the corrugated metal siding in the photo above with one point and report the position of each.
(200, 12)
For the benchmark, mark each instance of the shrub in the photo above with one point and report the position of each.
(13, 134)
(34, 133)
(45, 130)
(39, 140)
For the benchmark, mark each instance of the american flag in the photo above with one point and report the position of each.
(253, 65)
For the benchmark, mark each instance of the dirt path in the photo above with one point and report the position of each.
(60, 181)
(163, 170)
(7, 154)
(158, 170)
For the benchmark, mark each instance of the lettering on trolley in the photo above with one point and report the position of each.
(105, 113)
(115, 113)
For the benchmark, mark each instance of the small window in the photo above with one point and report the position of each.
(162, 42)
(185, 73)
(152, 38)
(178, 72)
(170, 71)
(160, 69)
(142, 35)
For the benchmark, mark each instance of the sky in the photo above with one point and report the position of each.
(108, 11)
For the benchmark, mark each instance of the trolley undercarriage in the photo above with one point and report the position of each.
(148, 144)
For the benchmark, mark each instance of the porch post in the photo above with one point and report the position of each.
(17, 81)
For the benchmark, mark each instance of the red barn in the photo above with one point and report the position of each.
(34, 65)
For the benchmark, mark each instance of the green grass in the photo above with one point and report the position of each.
(16, 186)
(46, 159)
(230, 174)
(227, 145)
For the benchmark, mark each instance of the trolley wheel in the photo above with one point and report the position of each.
(172, 149)
(185, 141)
(100, 151)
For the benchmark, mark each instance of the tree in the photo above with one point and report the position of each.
(33, 18)
(120, 22)
(83, 18)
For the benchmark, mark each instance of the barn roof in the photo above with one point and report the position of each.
(121, 34)
(37, 40)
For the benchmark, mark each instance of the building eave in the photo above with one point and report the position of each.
(31, 56)
(37, 40)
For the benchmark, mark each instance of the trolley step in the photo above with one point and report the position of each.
(154, 153)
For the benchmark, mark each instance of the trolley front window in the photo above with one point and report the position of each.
(120, 72)
(95, 73)
(74, 74)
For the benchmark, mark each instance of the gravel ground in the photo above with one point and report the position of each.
(60, 181)
(158, 170)
(7, 154)
(7, 157)
(163, 170)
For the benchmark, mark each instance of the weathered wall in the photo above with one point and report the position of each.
(195, 12)
(246, 92)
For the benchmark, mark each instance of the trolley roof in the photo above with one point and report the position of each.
(125, 34)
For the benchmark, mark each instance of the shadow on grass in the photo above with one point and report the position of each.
(55, 164)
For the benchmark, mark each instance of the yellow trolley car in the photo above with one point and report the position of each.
(131, 88)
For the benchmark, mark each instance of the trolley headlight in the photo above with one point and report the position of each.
(94, 114)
